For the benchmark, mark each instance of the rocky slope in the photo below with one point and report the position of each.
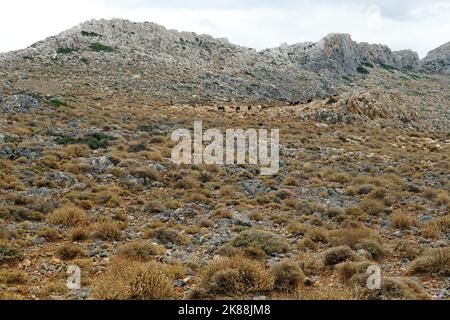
(86, 177)
(183, 67)
(438, 60)
(102, 58)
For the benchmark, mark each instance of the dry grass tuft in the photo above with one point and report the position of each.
(134, 281)
(334, 256)
(236, 276)
(349, 236)
(140, 251)
(69, 216)
(433, 261)
(267, 241)
(288, 276)
(402, 221)
(107, 231)
(69, 252)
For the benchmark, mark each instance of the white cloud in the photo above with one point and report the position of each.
(419, 25)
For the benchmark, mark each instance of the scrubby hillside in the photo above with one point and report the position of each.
(86, 177)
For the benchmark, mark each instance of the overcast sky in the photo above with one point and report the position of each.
(421, 25)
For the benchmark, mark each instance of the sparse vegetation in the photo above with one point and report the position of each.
(134, 281)
(434, 261)
(69, 216)
(236, 276)
(269, 242)
(66, 50)
(98, 47)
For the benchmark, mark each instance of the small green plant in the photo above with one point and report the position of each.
(348, 79)
(66, 50)
(8, 254)
(30, 58)
(98, 47)
(362, 70)
(56, 102)
(269, 242)
(91, 34)
(94, 141)
(389, 67)
(368, 64)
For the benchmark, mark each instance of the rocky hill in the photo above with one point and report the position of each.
(438, 60)
(87, 179)
(103, 58)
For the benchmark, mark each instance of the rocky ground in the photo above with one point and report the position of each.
(86, 179)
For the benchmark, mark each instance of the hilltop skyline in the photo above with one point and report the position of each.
(417, 25)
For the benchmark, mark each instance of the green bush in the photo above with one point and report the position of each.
(8, 254)
(91, 34)
(94, 141)
(368, 64)
(56, 103)
(389, 67)
(362, 70)
(98, 47)
(269, 242)
(66, 50)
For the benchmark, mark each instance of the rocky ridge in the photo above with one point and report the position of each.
(189, 68)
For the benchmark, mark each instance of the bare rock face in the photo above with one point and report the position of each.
(438, 60)
(407, 59)
(339, 53)
(168, 66)
(19, 103)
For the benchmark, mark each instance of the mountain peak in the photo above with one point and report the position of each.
(438, 60)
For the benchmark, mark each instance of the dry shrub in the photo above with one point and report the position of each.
(267, 241)
(49, 234)
(166, 236)
(442, 198)
(374, 247)
(78, 234)
(408, 249)
(330, 294)
(297, 228)
(334, 256)
(69, 252)
(318, 235)
(107, 231)
(433, 230)
(288, 276)
(430, 231)
(433, 261)
(69, 216)
(372, 207)
(392, 288)
(134, 281)
(11, 296)
(402, 221)
(284, 194)
(292, 181)
(311, 264)
(348, 269)
(306, 244)
(140, 251)
(154, 206)
(349, 236)
(227, 192)
(236, 276)
(77, 150)
(12, 277)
